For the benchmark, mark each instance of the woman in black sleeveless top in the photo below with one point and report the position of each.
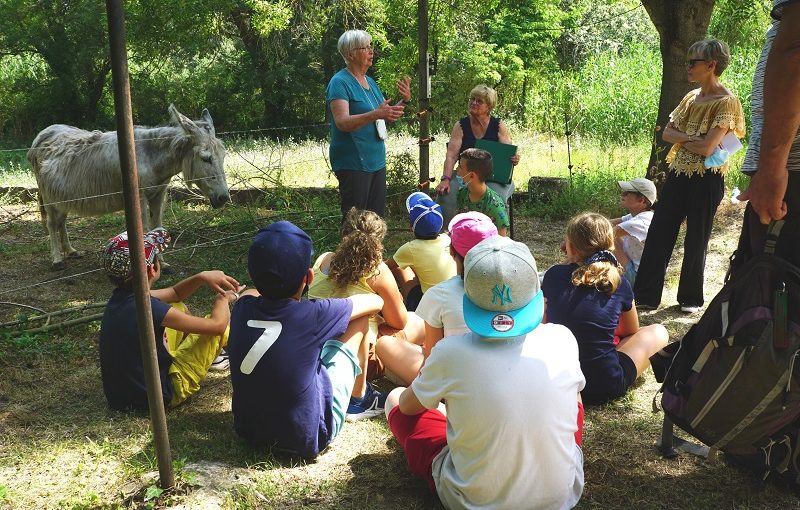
(479, 124)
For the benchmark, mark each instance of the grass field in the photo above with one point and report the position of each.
(60, 446)
(305, 164)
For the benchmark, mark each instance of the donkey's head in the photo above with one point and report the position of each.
(207, 168)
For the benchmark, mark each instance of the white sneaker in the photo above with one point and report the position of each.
(221, 362)
(690, 309)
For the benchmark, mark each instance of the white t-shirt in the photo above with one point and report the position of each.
(443, 306)
(637, 227)
(512, 407)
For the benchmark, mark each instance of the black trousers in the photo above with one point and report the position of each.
(754, 234)
(695, 199)
(362, 190)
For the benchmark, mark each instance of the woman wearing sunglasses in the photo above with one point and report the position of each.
(695, 182)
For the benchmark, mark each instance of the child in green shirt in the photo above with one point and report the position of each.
(474, 167)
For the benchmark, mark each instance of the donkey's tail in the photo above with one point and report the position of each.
(42, 209)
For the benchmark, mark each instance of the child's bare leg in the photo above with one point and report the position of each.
(406, 279)
(622, 258)
(415, 329)
(400, 357)
(643, 344)
(355, 338)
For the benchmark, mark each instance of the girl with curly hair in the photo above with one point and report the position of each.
(588, 295)
(357, 267)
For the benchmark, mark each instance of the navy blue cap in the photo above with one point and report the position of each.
(279, 259)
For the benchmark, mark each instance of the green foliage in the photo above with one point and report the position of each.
(265, 63)
(592, 28)
(594, 190)
(617, 95)
(740, 23)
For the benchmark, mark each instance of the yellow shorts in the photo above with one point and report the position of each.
(192, 355)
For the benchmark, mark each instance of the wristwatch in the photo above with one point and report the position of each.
(446, 178)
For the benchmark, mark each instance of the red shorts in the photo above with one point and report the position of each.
(423, 436)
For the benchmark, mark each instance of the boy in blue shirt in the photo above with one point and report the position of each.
(185, 345)
(292, 379)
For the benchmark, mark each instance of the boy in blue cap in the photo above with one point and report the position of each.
(424, 262)
(508, 435)
(294, 363)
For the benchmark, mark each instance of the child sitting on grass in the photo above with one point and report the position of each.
(294, 363)
(357, 267)
(508, 434)
(424, 262)
(589, 296)
(442, 306)
(474, 168)
(630, 231)
(185, 345)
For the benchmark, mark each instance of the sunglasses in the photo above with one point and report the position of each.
(692, 61)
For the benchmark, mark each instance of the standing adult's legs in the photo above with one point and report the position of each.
(703, 198)
(376, 194)
(668, 215)
(362, 190)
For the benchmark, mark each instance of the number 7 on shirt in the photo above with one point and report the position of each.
(272, 330)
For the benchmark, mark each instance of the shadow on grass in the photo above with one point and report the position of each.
(381, 480)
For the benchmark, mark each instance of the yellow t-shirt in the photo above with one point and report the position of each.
(323, 287)
(695, 118)
(429, 259)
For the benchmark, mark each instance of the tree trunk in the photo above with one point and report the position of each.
(96, 85)
(254, 44)
(679, 23)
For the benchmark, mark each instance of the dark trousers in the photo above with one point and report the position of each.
(362, 190)
(695, 199)
(754, 233)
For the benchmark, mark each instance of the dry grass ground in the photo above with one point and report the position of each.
(60, 446)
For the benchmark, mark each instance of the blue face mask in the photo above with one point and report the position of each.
(460, 181)
(718, 158)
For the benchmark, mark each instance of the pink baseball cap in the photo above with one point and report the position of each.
(468, 229)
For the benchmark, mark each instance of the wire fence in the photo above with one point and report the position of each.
(264, 173)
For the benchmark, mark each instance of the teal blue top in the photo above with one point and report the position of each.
(360, 149)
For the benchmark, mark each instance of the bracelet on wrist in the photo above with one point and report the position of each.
(446, 178)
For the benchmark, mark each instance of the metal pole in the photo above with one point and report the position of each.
(424, 93)
(133, 222)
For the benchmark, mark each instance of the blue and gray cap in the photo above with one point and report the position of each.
(502, 296)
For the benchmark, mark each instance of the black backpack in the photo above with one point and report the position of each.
(733, 381)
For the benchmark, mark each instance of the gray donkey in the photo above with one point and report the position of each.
(78, 171)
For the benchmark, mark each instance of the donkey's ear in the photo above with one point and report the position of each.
(206, 117)
(184, 122)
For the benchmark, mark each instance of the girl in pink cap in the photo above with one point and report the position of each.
(441, 306)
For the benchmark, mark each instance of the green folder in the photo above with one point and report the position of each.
(502, 169)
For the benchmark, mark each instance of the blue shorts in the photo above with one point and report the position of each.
(343, 368)
(630, 272)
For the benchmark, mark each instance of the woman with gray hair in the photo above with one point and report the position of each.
(695, 181)
(358, 129)
(479, 124)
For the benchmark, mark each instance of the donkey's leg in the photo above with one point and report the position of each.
(55, 223)
(66, 246)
